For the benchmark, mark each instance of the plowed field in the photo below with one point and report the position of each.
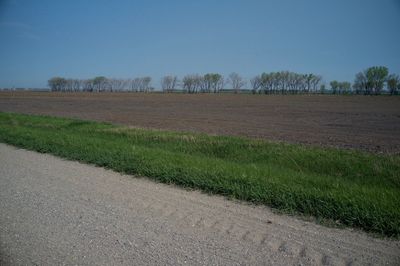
(370, 123)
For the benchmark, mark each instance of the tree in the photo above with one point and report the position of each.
(267, 82)
(69, 85)
(192, 83)
(206, 82)
(188, 84)
(311, 82)
(273, 82)
(237, 82)
(344, 87)
(135, 84)
(334, 86)
(212, 82)
(99, 83)
(340, 87)
(77, 85)
(289, 82)
(393, 83)
(256, 83)
(116, 84)
(376, 77)
(361, 84)
(145, 84)
(57, 83)
(315, 80)
(88, 85)
(218, 83)
(371, 80)
(168, 83)
(141, 84)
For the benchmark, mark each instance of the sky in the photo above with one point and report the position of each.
(127, 39)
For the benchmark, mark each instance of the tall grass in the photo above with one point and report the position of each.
(354, 188)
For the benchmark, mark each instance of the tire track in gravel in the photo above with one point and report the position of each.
(61, 212)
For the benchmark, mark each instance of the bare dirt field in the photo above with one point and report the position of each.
(370, 123)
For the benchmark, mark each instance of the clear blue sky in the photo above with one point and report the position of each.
(82, 39)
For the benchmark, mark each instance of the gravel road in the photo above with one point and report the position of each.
(57, 212)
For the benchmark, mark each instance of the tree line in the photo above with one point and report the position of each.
(100, 84)
(285, 82)
(371, 81)
(268, 83)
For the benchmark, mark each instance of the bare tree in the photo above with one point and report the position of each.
(315, 81)
(192, 83)
(76, 85)
(188, 84)
(141, 84)
(88, 85)
(361, 84)
(236, 81)
(135, 84)
(274, 82)
(169, 83)
(69, 85)
(116, 84)
(393, 82)
(255, 83)
(145, 84)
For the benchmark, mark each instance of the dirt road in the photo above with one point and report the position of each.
(57, 212)
(361, 122)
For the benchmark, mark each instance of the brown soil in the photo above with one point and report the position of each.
(370, 123)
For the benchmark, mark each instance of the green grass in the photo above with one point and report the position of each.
(354, 188)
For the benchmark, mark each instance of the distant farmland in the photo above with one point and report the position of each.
(369, 123)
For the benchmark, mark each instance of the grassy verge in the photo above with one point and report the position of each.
(354, 188)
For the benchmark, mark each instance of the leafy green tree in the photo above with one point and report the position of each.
(376, 77)
(212, 82)
(267, 82)
(286, 82)
(344, 87)
(371, 80)
(334, 86)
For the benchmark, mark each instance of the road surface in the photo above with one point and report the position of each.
(58, 212)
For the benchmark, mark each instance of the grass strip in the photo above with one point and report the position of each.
(354, 188)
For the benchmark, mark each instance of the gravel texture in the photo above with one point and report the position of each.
(57, 212)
